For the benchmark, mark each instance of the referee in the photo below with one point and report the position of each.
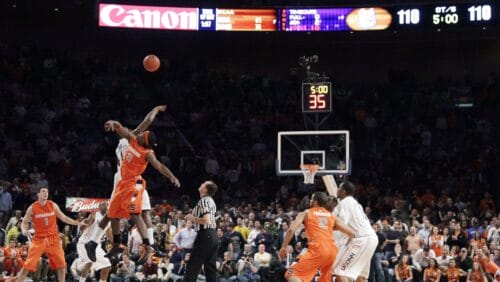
(206, 243)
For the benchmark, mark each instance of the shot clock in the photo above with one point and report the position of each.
(316, 97)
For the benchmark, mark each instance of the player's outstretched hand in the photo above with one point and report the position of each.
(175, 181)
(161, 108)
(82, 223)
(282, 253)
(108, 126)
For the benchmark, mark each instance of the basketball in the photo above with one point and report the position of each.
(151, 63)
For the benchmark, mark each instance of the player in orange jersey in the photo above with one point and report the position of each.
(126, 200)
(43, 214)
(319, 224)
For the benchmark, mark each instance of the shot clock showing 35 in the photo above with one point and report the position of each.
(316, 97)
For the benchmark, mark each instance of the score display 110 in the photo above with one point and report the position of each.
(444, 14)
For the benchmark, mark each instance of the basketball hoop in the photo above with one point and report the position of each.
(309, 171)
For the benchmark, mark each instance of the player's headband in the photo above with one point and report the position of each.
(146, 137)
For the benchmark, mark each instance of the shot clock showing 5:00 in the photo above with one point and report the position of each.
(316, 97)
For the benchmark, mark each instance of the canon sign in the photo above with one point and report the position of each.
(127, 16)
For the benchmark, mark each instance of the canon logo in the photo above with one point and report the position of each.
(172, 18)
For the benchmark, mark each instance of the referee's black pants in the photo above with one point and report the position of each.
(204, 253)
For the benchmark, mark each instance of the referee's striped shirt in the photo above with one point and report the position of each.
(205, 205)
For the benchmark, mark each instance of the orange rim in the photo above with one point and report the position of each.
(310, 167)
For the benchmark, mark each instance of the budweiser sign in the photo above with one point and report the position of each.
(128, 16)
(74, 204)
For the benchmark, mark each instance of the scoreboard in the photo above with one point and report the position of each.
(389, 17)
(238, 19)
(302, 19)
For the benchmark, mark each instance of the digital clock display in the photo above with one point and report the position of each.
(316, 97)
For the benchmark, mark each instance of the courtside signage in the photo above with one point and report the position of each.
(75, 204)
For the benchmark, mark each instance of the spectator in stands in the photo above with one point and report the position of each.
(421, 261)
(165, 268)
(403, 271)
(263, 260)
(444, 259)
(13, 233)
(13, 261)
(436, 241)
(265, 237)
(184, 239)
(432, 272)
(476, 273)
(180, 268)
(13, 220)
(425, 230)
(125, 270)
(458, 237)
(452, 272)
(149, 271)
(413, 242)
(248, 270)
(241, 228)
(376, 269)
(227, 269)
(5, 204)
(396, 235)
(237, 240)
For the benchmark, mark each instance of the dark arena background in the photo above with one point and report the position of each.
(415, 84)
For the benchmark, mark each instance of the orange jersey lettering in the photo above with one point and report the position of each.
(134, 162)
(319, 225)
(44, 219)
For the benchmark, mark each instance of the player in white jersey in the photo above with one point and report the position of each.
(353, 263)
(84, 264)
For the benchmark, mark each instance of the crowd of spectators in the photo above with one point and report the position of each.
(425, 170)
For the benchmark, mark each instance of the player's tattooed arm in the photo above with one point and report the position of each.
(162, 169)
(150, 117)
(64, 218)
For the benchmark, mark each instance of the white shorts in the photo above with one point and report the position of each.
(146, 203)
(354, 258)
(100, 263)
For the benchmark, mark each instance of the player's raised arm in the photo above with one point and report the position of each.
(162, 169)
(115, 126)
(289, 233)
(150, 117)
(64, 218)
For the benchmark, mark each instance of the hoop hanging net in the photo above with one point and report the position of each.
(309, 171)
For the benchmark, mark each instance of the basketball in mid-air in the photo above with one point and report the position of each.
(151, 63)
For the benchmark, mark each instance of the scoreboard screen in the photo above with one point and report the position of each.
(420, 16)
(444, 15)
(335, 19)
(238, 19)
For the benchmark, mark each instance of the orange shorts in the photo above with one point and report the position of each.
(127, 198)
(313, 260)
(52, 246)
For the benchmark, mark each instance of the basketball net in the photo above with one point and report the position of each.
(309, 171)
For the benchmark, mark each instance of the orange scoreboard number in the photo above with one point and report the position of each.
(316, 97)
